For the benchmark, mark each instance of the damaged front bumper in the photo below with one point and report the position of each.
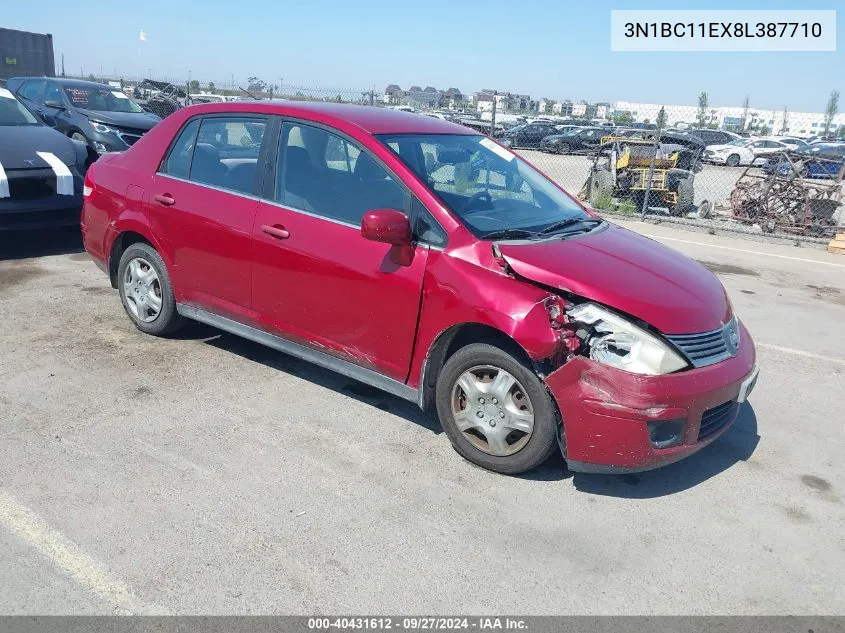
(617, 422)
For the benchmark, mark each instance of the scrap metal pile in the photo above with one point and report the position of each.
(786, 197)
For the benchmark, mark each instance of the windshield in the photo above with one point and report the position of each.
(489, 188)
(101, 99)
(13, 112)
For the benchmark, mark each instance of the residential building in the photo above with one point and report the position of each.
(579, 109)
(545, 106)
(392, 95)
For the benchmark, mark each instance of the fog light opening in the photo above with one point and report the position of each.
(666, 433)
(101, 149)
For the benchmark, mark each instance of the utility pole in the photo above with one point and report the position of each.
(493, 118)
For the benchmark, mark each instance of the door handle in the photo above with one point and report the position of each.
(164, 199)
(279, 232)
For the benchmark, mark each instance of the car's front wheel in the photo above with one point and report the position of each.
(495, 410)
(79, 136)
(732, 160)
(145, 290)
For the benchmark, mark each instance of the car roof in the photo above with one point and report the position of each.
(370, 119)
(64, 81)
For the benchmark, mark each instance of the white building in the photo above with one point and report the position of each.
(730, 118)
(545, 106)
(579, 108)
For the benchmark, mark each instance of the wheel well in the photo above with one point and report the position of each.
(121, 243)
(455, 338)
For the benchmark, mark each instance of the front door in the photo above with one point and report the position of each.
(205, 199)
(315, 278)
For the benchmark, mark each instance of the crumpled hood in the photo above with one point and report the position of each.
(21, 142)
(138, 120)
(630, 273)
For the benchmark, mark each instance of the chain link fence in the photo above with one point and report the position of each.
(756, 171)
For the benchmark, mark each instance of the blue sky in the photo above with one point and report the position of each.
(546, 48)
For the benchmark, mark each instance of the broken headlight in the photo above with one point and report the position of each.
(613, 340)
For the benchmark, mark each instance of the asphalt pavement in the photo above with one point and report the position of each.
(204, 474)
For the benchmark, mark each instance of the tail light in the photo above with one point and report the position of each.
(88, 184)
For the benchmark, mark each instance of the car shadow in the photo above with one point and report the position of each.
(326, 378)
(736, 445)
(26, 244)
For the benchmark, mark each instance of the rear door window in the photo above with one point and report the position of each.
(226, 152)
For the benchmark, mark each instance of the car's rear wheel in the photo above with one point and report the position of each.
(732, 160)
(495, 410)
(146, 292)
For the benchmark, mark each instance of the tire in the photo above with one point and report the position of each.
(140, 297)
(563, 148)
(79, 136)
(491, 439)
(601, 184)
(732, 160)
(685, 193)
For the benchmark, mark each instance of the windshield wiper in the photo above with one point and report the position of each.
(509, 234)
(564, 223)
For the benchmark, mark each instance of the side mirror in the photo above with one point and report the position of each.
(58, 105)
(387, 225)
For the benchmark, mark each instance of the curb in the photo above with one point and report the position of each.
(715, 227)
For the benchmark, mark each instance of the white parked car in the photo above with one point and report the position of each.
(743, 151)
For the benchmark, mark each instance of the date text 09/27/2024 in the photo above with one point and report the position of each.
(417, 623)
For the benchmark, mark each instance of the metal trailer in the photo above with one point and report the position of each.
(25, 54)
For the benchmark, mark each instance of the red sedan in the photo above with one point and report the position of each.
(422, 258)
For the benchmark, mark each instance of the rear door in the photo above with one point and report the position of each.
(316, 279)
(204, 199)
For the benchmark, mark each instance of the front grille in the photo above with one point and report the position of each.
(31, 184)
(703, 349)
(717, 418)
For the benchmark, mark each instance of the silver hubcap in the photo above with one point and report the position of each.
(142, 290)
(491, 409)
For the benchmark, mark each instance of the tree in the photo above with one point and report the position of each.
(784, 127)
(661, 118)
(745, 103)
(764, 130)
(254, 84)
(91, 77)
(623, 118)
(195, 85)
(831, 110)
(702, 109)
(211, 87)
(338, 98)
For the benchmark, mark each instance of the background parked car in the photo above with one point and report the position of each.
(795, 144)
(530, 135)
(575, 140)
(103, 118)
(41, 170)
(743, 151)
(714, 137)
(820, 160)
